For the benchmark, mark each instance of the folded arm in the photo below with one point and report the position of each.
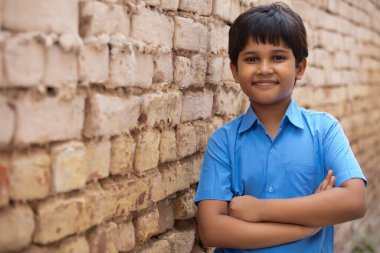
(218, 229)
(337, 205)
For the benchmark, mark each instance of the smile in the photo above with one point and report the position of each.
(265, 83)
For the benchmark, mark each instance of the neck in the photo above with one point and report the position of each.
(271, 115)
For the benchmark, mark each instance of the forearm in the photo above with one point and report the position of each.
(326, 208)
(228, 232)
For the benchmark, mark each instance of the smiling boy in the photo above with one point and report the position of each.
(267, 177)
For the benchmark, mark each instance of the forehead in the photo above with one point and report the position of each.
(253, 45)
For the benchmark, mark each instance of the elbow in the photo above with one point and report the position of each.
(205, 236)
(359, 209)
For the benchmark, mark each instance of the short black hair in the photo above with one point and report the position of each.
(271, 24)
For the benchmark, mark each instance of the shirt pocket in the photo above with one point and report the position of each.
(299, 180)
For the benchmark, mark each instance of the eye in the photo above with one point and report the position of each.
(251, 59)
(279, 58)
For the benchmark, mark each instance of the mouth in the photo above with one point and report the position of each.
(265, 83)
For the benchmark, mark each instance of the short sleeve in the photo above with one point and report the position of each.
(215, 178)
(338, 155)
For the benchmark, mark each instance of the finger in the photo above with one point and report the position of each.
(331, 183)
(326, 181)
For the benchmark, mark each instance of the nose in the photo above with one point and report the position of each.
(265, 67)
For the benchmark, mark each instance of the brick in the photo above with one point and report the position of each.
(146, 224)
(147, 150)
(181, 240)
(59, 16)
(103, 238)
(93, 63)
(19, 70)
(200, 7)
(163, 68)
(168, 148)
(95, 203)
(122, 154)
(161, 109)
(69, 166)
(128, 69)
(160, 246)
(175, 177)
(126, 236)
(73, 244)
(218, 38)
(98, 159)
(227, 101)
(189, 35)
(32, 115)
(7, 118)
(101, 18)
(58, 218)
(30, 176)
(123, 196)
(17, 226)
(182, 72)
(169, 4)
(202, 134)
(144, 20)
(226, 72)
(61, 68)
(4, 181)
(196, 105)
(111, 115)
(191, 168)
(186, 140)
(184, 207)
(315, 77)
(198, 70)
(166, 215)
(215, 70)
(234, 10)
(221, 9)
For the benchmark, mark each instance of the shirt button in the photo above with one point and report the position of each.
(272, 150)
(270, 189)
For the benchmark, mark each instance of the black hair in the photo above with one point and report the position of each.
(271, 24)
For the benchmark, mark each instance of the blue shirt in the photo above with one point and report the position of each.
(242, 159)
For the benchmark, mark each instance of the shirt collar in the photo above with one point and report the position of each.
(293, 113)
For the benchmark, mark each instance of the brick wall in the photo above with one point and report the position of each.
(106, 107)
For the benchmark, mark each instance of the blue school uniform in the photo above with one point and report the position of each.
(242, 159)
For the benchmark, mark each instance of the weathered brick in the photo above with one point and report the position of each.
(196, 105)
(7, 118)
(111, 115)
(226, 72)
(19, 70)
(128, 68)
(186, 140)
(152, 2)
(145, 20)
(182, 73)
(126, 236)
(30, 176)
(234, 10)
(175, 177)
(163, 68)
(160, 246)
(101, 18)
(69, 166)
(168, 148)
(146, 224)
(57, 218)
(95, 203)
(166, 215)
(215, 70)
(93, 63)
(198, 70)
(169, 4)
(103, 238)
(227, 101)
(98, 159)
(147, 150)
(17, 226)
(184, 207)
(61, 68)
(65, 117)
(59, 16)
(4, 180)
(73, 244)
(161, 109)
(200, 7)
(221, 9)
(181, 240)
(218, 38)
(191, 168)
(189, 35)
(122, 154)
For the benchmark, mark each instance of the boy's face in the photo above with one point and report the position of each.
(267, 73)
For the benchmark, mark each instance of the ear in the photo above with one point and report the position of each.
(234, 71)
(301, 69)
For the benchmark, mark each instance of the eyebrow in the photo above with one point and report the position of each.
(276, 51)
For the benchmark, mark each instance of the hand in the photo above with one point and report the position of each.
(245, 208)
(327, 183)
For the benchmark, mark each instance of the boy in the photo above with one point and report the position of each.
(267, 177)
